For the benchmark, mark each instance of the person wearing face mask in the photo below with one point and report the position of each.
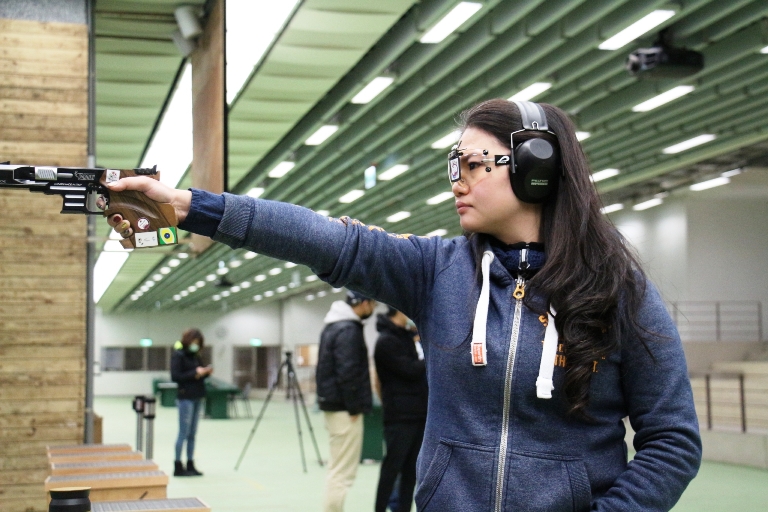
(189, 373)
(344, 391)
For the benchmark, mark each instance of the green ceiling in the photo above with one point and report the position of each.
(331, 49)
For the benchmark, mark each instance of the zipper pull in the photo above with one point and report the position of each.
(519, 292)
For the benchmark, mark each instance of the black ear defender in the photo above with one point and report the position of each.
(536, 167)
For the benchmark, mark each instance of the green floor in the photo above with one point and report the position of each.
(271, 479)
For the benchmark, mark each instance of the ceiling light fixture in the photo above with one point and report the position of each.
(351, 196)
(282, 289)
(393, 172)
(439, 198)
(324, 213)
(275, 271)
(663, 98)
(531, 91)
(637, 29)
(281, 169)
(446, 141)
(311, 278)
(249, 255)
(450, 22)
(174, 263)
(604, 174)
(321, 135)
(688, 144)
(580, 136)
(255, 192)
(438, 232)
(210, 277)
(715, 182)
(259, 278)
(764, 50)
(656, 201)
(373, 89)
(289, 264)
(397, 217)
(105, 270)
(269, 293)
(732, 172)
(612, 208)
(257, 297)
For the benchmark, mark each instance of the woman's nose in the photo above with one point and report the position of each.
(459, 187)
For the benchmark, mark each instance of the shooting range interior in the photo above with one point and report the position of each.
(349, 108)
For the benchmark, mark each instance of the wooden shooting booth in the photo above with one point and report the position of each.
(43, 120)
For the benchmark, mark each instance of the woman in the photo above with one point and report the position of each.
(189, 373)
(538, 262)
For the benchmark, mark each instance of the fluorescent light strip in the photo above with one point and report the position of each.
(321, 135)
(251, 28)
(373, 89)
(171, 147)
(764, 50)
(446, 141)
(439, 198)
(656, 201)
(732, 172)
(531, 91)
(604, 174)
(688, 144)
(580, 136)
(716, 182)
(393, 172)
(450, 22)
(281, 169)
(612, 208)
(437, 232)
(255, 192)
(352, 195)
(637, 29)
(665, 97)
(397, 217)
(324, 213)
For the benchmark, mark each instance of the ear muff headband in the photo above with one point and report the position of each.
(535, 168)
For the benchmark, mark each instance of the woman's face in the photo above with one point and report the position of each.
(484, 200)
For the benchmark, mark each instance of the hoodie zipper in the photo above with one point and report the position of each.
(518, 294)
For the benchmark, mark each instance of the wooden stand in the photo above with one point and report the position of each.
(115, 486)
(88, 448)
(94, 457)
(108, 466)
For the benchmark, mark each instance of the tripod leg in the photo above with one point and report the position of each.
(309, 423)
(261, 413)
(291, 383)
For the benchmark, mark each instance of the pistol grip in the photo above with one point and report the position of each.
(153, 223)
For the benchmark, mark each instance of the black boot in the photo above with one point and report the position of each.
(191, 470)
(178, 469)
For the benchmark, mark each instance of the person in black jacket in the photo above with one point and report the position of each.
(344, 392)
(403, 378)
(189, 373)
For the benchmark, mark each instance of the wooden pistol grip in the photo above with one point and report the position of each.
(144, 214)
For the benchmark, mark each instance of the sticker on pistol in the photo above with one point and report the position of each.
(167, 236)
(148, 239)
(478, 355)
(112, 175)
(142, 223)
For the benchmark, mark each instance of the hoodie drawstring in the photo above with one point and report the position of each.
(544, 385)
(479, 353)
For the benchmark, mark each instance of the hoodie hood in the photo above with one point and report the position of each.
(339, 312)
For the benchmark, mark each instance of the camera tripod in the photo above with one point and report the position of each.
(294, 391)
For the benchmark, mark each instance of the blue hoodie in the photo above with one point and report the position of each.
(493, 442)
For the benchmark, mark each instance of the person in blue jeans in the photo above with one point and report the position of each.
(540, 330)
(188, 372)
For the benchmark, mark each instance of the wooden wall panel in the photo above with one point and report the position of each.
(43, 120)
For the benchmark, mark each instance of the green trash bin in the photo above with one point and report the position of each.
(168, 392)
(373, 435)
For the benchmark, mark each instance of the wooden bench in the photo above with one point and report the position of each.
(171, 505)
(102, 466)
(88, 448)
(94, 456)
(138, 485)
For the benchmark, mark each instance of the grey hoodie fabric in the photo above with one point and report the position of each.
(342, 377)
(491, 443)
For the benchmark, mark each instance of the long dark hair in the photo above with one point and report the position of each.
(591, 277)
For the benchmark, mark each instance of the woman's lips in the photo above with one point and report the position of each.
(461, 207)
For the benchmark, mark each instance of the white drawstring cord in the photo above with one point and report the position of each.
(479, 353)
(544, 384)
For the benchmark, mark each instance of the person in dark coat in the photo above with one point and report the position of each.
(403, 378)
(188, 372)
(344, 391)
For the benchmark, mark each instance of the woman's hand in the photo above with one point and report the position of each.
(153, 189)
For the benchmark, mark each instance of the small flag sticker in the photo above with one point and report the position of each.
(166, 236)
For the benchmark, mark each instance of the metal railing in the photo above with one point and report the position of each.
(731, 401)
(718, 320)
